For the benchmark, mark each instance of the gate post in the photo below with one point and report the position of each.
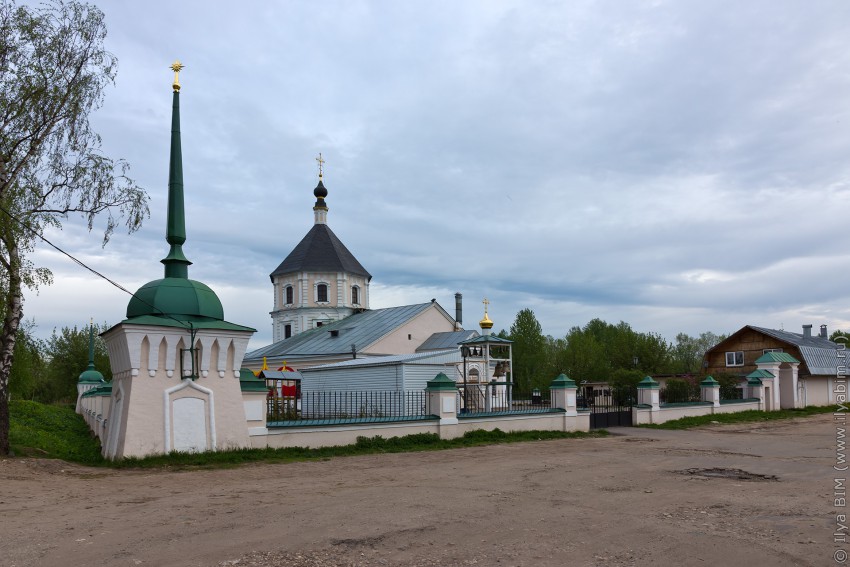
(756, 387)
(563, 392)
(442, 402)
(710, 391)
(648, 393)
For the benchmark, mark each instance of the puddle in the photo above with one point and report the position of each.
(733, 474)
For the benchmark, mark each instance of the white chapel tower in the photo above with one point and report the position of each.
(320, 281)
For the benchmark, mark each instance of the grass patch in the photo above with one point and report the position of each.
(741, 417)
(363, 446)
(45, 431)
(53, 432)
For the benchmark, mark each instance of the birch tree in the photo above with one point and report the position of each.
(53, 73)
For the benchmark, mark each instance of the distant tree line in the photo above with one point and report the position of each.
(47, 370)
(599, 351)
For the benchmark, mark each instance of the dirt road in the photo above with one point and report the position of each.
(635, 498)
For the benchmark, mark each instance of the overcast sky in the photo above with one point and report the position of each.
(681, 166)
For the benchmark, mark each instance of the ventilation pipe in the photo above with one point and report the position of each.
(458, 311)
(824, 334)
(807, 331)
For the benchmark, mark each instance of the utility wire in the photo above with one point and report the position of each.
(80, 263)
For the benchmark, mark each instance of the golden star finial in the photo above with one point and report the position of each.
(177, 66)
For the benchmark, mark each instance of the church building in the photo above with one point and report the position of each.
(321, 307)
(320, 281)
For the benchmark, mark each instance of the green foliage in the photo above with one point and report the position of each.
(54, 432)
(688, 352)
(47, 371)
(529, 353)
(740, 417)
(840, 337)
(53, 72)
(679, 391)
(28, 373)
(728, 385)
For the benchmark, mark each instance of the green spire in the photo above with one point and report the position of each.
(176, 264)
(90, 374)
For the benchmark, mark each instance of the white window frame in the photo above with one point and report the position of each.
(286, 292)
(735, 358)
(355, 289)
(767, 350)
(327, 293)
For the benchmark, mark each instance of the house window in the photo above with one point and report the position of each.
(290, 295)
(322, 293)
(355, 295)
(318, 323)
(735, 358)
(287, 331)
(767, 350)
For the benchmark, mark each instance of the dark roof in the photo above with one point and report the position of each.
(796, 339)
(449, 339)
(361, 329)
(320, 251)
(820, 355)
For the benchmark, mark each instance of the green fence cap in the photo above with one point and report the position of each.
(441, 382)
(647, 382)
(562, 382)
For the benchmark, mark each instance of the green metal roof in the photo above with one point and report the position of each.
(90, 376)
(102, 390)
(250, 383)
(183, 323)
(177, 297)
(776, 357)
(760, 373)
(485, 339)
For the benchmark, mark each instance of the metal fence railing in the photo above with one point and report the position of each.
(334, 407)
(500, 398)
(674, 395)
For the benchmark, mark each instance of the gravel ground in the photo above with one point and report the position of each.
(753, 494)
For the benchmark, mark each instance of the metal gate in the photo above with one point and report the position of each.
(610, 407)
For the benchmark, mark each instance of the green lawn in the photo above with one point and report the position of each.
(54, 432)
(741, 417)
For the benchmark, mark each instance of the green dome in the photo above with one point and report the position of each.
(90, 376)
(178, 297)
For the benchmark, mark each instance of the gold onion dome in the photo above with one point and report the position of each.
(486, 323)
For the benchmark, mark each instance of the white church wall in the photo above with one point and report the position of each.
(408, 337)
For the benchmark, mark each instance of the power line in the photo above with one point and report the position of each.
(82, 264)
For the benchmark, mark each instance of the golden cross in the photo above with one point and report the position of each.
(321, 162)
(486, 302)
(177, 66)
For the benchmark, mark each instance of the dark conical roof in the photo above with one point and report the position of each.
(321, 251)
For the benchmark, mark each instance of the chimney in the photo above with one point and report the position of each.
(807, 331)
(824, 334)
(458, 311)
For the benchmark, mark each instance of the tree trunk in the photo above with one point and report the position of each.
(14, 311)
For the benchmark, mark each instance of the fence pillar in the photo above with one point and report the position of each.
(710, 391)
(563, 392)
(442, 399)
(648, 393)
(756, 389)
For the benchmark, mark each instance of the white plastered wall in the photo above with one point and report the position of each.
(146, 383)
